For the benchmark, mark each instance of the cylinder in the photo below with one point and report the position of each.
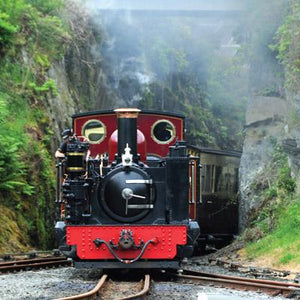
(127, 129)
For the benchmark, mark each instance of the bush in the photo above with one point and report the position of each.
(7, 31)
(287, 46)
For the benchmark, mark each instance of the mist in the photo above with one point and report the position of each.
(168, 5)
(173, 56)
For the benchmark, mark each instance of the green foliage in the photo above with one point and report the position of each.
(274, 189)
(193, 78)
(42, 171)
(47, 7)
(277, 219)
(287, 45)
(48, 86)
(255, 33)
(47, 34)
(188, 98)
(42, 60)
(12, 169)
(284, 240)
(285, 182)
(169, 58)
(44, 33)
(293, 119)
(227, 87)
(287, 258)
(27, 179)
(13, 229)
(7, 30)
(32, 36)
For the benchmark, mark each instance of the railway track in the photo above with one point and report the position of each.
(99, 291)
(273, 288)
(35, 263)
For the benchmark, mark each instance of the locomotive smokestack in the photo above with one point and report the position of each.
(127, 129)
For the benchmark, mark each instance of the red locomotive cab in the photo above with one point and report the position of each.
(113, 145)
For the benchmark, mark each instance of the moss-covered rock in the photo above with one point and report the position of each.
(14, 232)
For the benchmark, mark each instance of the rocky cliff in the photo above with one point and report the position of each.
(265, 123)
(267, 112)
(79, 75)
(291, 142)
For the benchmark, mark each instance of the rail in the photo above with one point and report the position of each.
(91, 294)
(94, 293)
(35, 263)
(270, 287)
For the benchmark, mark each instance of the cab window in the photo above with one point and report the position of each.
(94, 131)
(163, 131)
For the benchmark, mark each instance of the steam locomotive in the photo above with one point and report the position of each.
(128, 191)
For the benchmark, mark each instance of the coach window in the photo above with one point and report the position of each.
(228, 182)
(94, 131)
(210, 178)
(218, 179)
(207, 186)
(236, 180)
(163, 131)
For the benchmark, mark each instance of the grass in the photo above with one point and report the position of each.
(284, 241)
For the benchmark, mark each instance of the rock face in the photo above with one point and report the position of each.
(78, 76)
(61, 107)
(291, 143)
(264, 110)
(265, 120)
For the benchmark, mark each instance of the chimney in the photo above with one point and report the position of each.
(127, 129)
